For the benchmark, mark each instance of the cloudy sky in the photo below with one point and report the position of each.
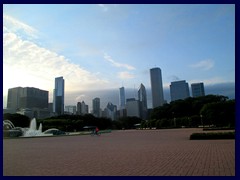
(101, 47)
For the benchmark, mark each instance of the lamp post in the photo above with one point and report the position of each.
(174, 120)
(202, 120)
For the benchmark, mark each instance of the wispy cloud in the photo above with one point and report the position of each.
(210, 81)
(117, 64)
(125, 75)
(103, 6)
(204, 64)
(27, 64)
(174, 78)
(80, 98)
(13, 25)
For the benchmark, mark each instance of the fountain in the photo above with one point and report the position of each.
(32, 130)
(8, 124)
(11, 131)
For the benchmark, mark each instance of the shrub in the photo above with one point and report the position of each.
(217, 135)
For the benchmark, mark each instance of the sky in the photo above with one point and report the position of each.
(102, 47)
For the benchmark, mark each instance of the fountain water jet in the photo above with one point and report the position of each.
(9, 124)
(33, 131)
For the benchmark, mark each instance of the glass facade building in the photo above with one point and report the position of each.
(96, 107)
(142, 97)
(197, 89)
(58, 96)
(157, 87)
(179, 90)
(121, 98)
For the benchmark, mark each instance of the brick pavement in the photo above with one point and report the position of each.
(120, 153)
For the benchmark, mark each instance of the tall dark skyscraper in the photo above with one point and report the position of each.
(197, 89)
(142, 97)
(157, 87)
(58, 96)
(96, 107)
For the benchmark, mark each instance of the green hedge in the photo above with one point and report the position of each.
(217, 135)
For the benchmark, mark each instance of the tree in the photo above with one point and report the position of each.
(129, 122)
(219, 113)
(18, 120)
(187, 112)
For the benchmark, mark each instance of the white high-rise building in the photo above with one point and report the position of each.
(157, 87)
(179, 90)
(82, 108)
(58, 96)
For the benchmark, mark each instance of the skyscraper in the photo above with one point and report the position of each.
(96, 107)
(71, 110)
(197, 89)
(110, 111)
(13, 100)
(58, 96)
(179, 90)
(79, 108)
(142, 97)
(121, 98)
(27, 97)
(157, 88)
(82, 108)
(132, 107)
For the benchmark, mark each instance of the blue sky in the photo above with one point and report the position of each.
(101, 47)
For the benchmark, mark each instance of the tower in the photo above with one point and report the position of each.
(179, 90)
(197, 89)
(58, 96)
(96, 107)
(156, 86)
(122, 98)
(142, 97)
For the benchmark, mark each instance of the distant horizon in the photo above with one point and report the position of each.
(112, 95)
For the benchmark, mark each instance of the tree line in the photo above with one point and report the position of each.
(192, 112)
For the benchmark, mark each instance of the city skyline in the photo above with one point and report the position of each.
(186, 41)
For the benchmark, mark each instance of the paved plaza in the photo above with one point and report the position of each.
(120, 153)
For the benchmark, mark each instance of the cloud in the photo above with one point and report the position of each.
(116, 64)
(104, 7)
(174, 78)
(80, 97)
(125, 75)
(211, 81)
(204, 65)
(27, 64)
(13, 25)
